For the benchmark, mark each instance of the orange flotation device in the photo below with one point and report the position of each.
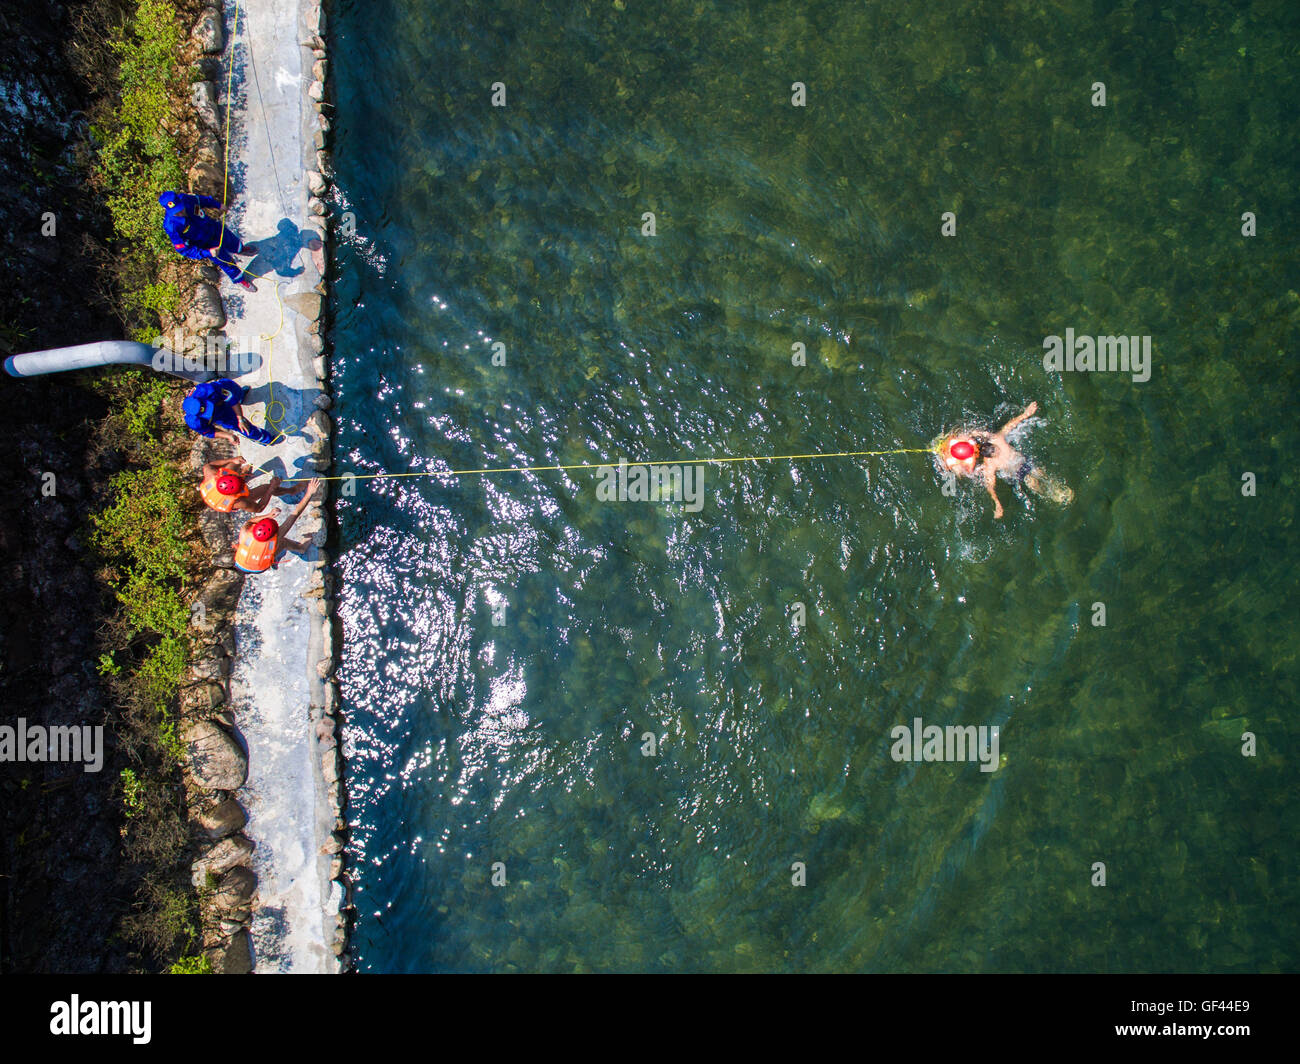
(254, 554)
(222, 491)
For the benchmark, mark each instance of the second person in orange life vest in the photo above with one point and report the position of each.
(225, 487)
(262, 540)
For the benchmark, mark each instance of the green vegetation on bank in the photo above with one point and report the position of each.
(134, 54)
(191, 965)
(135, 50)
(142, 533)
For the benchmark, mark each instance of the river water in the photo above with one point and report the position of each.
(511, 639)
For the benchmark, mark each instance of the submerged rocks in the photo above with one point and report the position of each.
(215, 759)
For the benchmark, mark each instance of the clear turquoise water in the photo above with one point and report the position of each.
(470, 743)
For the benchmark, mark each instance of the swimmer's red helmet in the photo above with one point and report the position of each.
(961, 450)
(265, 529)
(229, 484)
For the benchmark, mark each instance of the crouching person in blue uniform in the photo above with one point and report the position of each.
(212, 409)
(196, 236)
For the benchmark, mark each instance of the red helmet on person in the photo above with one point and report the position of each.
(265, 529)
(229, 484)
(961, 450)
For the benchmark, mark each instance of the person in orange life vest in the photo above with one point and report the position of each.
(262, 540)
(225, 487)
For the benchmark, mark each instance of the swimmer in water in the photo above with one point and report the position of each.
(986, 454)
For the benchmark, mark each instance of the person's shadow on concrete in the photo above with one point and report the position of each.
(294, 407)
(276, 253)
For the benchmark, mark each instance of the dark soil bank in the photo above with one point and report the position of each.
(62, 891)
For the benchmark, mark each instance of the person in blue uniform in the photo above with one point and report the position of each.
(196, 236)
(212, 409)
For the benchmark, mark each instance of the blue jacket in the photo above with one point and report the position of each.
(192, 234)
(213, 403)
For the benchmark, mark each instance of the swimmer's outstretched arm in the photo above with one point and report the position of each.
(990, 482)
(1030, 410)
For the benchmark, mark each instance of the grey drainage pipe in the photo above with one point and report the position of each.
(122, 353)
